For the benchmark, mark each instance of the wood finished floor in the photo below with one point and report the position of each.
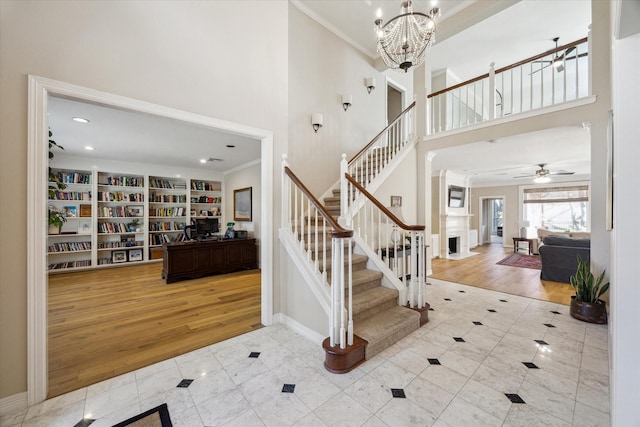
(106, 322)
(483, 272)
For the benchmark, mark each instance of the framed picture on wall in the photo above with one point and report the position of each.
(242, 204)
(396, 201)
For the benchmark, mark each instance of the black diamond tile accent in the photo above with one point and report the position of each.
(84, 422)
(458, 339)
(477, 323)
(541, 342)
(431, 309)
(398, 392)
(530, 365)
(549, 325)
(462, 292)
(447, 299)
(288, 388)
(503, 300)
(514, 398)
(184, 383)
(491, 310)
(556, 312)
(254, 354)
(428, 284)
(434, 361)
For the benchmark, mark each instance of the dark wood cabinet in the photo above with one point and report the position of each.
(191, 260)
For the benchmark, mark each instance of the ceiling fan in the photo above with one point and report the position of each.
(558, 60)
(543, 174)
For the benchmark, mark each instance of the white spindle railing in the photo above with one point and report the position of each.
(401, 247)
(555, 77)
(372, 159)
(313, 228)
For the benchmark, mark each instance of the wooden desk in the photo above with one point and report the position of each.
(193, 259)
(516, 244)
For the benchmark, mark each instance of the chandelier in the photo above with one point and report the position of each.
(403, 42)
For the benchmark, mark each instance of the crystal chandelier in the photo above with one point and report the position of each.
(403, 42)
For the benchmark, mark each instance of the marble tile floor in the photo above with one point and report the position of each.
(484, 359)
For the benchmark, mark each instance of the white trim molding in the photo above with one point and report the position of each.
(37, 162)
(299, 328)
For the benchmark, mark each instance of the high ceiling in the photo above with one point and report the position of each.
(463, 45)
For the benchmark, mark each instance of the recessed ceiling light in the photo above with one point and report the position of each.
(80, 120)
(203, 160)
(231, 146)
(89, 148)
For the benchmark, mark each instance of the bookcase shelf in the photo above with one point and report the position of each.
(118, 218)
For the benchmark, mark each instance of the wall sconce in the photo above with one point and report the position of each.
(346, 101)
(370, 82)
(316, 121)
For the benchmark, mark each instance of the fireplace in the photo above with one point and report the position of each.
(454, 244)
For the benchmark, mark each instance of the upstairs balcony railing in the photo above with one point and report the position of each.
(550, 78)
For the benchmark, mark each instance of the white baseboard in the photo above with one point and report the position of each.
(299, 328)
(13, 403)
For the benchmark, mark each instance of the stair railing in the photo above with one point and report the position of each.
(399, 246)
(371, 160)
(550, 78)
(307, 221)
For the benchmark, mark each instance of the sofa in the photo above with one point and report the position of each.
(542, 233)
(558, 256)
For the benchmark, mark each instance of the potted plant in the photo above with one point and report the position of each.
(56, 219)
(586, 304)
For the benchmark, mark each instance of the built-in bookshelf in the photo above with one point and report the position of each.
(206, 199)
(70, 246)
(117, 218)
(120, 218)
(167, 210)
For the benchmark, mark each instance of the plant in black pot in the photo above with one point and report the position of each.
(586, 305)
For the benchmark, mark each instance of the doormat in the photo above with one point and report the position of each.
(156, 417)
(519, 260)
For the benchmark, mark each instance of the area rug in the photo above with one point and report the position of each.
(519, 260)
(156, 417)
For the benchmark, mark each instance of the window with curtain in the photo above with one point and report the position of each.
(557, 208)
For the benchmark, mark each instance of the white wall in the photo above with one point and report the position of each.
(322, 67)
(403, 182)
(242, 178)
(624, 322)
(174, 54)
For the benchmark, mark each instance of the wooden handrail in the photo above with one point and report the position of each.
(366, 147)
(337, 230)
(508, 67)
(380, 206)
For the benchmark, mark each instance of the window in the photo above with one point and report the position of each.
(557, 208)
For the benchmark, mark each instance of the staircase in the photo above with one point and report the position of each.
(377, 317)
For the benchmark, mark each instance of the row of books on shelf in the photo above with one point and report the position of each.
(114, 227)
(206, 199)
(126, 244)
(165, 183)
(166, 226)
(122, 181)
(204, 186)
(167, 198)
(70, 247)
(73, 177)
(168, 212)
(159, 239)
(119, 196)
(69, 195)
(119, 211)
(70, 264)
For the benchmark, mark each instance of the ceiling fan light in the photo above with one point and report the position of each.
(541, 179)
